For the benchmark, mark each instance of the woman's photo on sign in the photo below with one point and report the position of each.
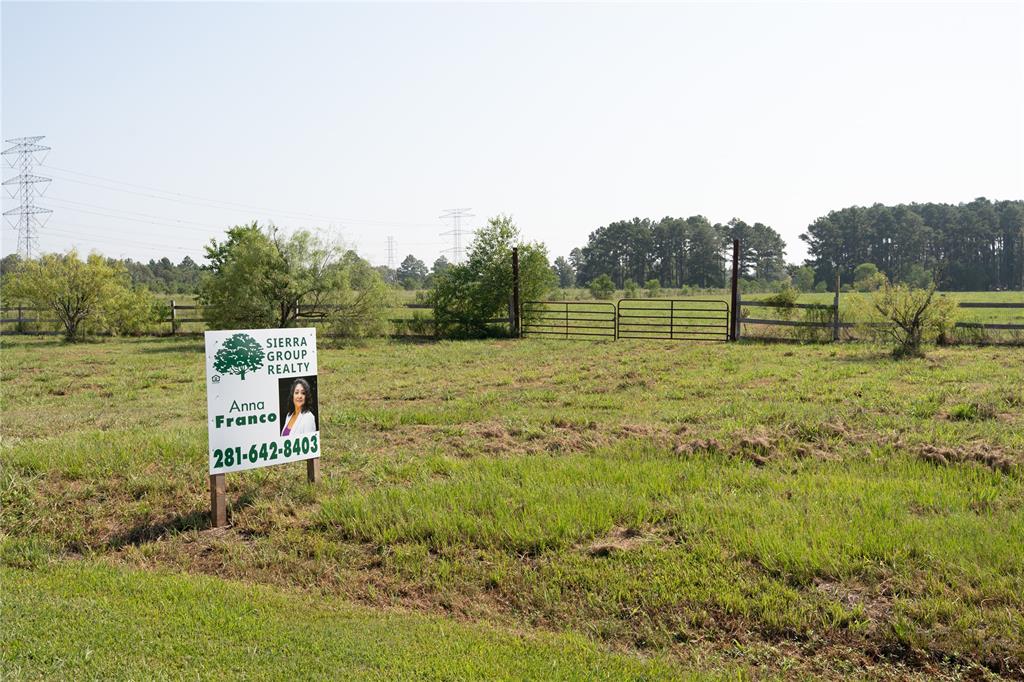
(298, 405)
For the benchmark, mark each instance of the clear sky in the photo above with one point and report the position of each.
(170, 122)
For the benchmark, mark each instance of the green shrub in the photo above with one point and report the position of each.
(467, 296)
(602, 288)
(904, 317)
(91, 296)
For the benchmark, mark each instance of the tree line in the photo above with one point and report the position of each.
(676, 252)
(976, 246)
(159, 276)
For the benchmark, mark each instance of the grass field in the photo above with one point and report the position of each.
(523, 509)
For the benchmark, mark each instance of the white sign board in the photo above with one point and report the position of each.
(261, 397)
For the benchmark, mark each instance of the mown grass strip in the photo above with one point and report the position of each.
(89, 621)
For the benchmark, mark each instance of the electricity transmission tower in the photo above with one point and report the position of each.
(391, 253)
(455, 216)
(21, 156)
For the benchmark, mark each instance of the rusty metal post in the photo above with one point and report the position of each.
(218, 501)
(517, 330)
(734, 327)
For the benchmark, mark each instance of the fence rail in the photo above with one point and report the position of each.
(837, 324)
(568, 319)
(673, 319)
(632, 318)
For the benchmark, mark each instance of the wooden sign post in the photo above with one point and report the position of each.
(262, 405)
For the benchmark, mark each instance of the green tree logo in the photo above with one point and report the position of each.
(240, 354)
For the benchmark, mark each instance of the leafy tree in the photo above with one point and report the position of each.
(803, 278)
(466, 296)
(240, 354)
(762, 249)
(565, 272)
(361, 304)
(440, 265)
(412, 273)
(630, 289)
(917, 277)
(653, 287)
(9, 263)
(602, 288)
(866, 277)
(259, 278)
(81, 294)
(821, 287)
(388, 275)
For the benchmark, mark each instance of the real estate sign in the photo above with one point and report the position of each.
(261, 396)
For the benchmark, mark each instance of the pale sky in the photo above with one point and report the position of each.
(169, 122)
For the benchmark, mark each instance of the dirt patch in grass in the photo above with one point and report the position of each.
(497, 438)
(758, 447)
(618, 540)
(994, 457)
(875, 601)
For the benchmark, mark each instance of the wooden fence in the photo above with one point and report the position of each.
(36, 321)
(833, 326)
(184, 319)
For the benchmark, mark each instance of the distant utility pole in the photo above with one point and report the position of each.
(391, 253)
(455, 216)
(22, 157)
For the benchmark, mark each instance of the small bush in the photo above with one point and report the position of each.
(786, 300)
(602, 288)
(905, 317)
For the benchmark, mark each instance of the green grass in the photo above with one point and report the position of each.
(86, 621)
(729, 508)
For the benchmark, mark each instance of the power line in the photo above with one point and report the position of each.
(178, 222)
(73, 231)
(211, 203)
(23, 151)
(456, 216)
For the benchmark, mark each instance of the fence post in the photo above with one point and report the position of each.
(739, 316)
(517, 328)
(21, 321)
(835, 311)
(734, 326)
(174, 315)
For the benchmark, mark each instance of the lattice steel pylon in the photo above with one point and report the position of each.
(22, 156)
(455, 215)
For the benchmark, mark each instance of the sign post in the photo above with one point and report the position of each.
(262, 404)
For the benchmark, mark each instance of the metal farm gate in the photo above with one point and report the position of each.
(673, 319)
(632, 318)
(568, 319)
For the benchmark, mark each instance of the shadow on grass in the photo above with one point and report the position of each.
(198, 519)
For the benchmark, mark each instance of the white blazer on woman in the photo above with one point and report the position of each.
(306, 423)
